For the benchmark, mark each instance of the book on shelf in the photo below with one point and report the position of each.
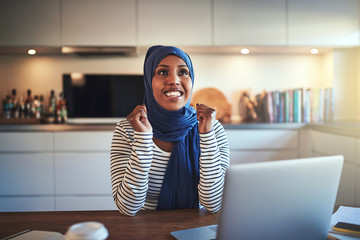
(308, 105)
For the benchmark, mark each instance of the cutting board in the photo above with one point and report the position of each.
(213, 98)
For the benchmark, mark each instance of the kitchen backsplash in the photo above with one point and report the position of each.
(230, 73)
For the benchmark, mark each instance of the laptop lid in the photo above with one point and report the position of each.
(282, 200)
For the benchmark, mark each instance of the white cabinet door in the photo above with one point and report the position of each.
(98, 23)
(83, 141)
(323, 22)
(262, 139)
(325, 144)
(25, 204)
(82, 173)
(166, 22)
(237, 156)
(85, 203)
(331, 144)
(30, 23)
(347, 192)
(26, 174)
(26, 142)
(357, 190)
(251, 22)
(357, 184)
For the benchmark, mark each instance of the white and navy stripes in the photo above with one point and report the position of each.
(138, 167)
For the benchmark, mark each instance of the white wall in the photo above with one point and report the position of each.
(346, 84)
(228, 72)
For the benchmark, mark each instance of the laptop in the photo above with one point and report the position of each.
(282, 200)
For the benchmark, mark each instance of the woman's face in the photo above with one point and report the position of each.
(171, 84)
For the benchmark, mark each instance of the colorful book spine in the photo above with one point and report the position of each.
(291, 106)
(286, 106)
(297, 105)
(270, 111)
(321, 105)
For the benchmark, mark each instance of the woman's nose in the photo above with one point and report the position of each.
(173, 79)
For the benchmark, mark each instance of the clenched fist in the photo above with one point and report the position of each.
(139, 120)
(206, 117)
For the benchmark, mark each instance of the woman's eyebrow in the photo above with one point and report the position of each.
(167, 66)
(163, 65)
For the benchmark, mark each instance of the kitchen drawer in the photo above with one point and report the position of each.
(347, 186)
(26, 204)
(83, 141)
(26, 174)
(82, 173)
(358, 153)
(331, 144)
(81, 203)
(26, 142)
(262, 139)
(357, 184)
(237, 156)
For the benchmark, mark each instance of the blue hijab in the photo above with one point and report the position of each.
(179, 188)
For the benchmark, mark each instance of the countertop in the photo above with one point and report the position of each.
(111, 127)
(351, 129)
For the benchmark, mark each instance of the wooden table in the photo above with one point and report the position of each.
(145, 225)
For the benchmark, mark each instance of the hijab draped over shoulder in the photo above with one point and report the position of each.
(179, 188)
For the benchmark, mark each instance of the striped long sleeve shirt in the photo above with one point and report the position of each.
(138, 167)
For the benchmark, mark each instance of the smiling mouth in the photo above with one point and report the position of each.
(173, 93)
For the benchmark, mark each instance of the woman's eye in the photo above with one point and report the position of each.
(162, 72)
(183, 72)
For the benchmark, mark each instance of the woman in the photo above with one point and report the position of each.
(166, 154)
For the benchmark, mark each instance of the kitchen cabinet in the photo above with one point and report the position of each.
(74, 141)
(323, 22)
(26, 204)
(85, 203)
(98, 23)
(357, 179)
(26, 172)
(26, 182)
(47, 171)
(262, 145)
(250, 22)
(82, 170)
(30, 23)
(174, 23)
(325, 144)
(26, 142)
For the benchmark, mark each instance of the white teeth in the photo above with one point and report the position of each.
(173, 94)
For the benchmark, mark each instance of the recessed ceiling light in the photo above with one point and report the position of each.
(245, 51)
(314, 51)
(31, 51)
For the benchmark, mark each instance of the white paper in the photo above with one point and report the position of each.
(346, 214)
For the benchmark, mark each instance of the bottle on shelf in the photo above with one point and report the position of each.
(42, 106)
(61, 110)
(7, 107)
(29, 110)
(15, 104)
(21, 107)
(52, 107)
(36, 107)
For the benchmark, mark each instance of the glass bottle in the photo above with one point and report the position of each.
(61, 110)
(21, 107)
(42, 106)
(36, 107)
(7, 106)
(15, 104)
(52, 105)
(28, 105)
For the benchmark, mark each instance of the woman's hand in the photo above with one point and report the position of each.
(206, 117)
(139, 120)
